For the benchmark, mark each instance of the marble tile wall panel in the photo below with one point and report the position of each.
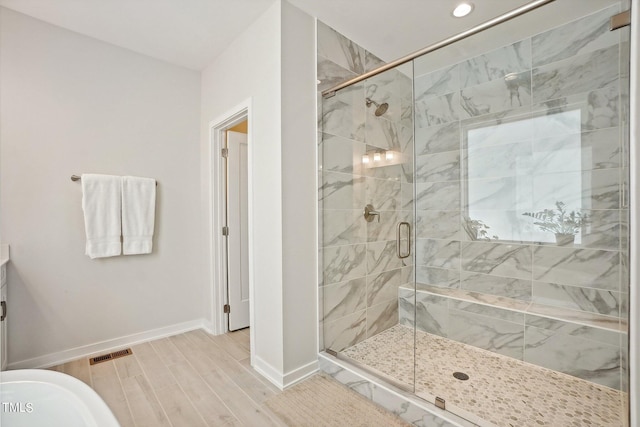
(345, 298)
(346, 331)
(372, 61)
(583, 73)
(438, 225)
(342, 155)
(389, 135)
(578, 37)
(498, 259)
(573, 329)
(382, 316)
(487, 311)
(590, 360)
(331, 74)
(384, 230)
(577, 298)
(438, 253)
(406, 306)
(511, 92)
(384, 286)
(381, 256)
(438, 167)
(437, 139)
(343, 227)
(383, 194)
(577, 267)
(437, 110)
(437, 83)
(496, 64)
(495, 285)
(342, 263)
(603, 230)
(387, 88)
(440, 277)
(442, 196)
(496, 335)
(432, 314)
(339, 49)
(344, 114)
(342, 191)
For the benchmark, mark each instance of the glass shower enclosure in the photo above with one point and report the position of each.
(474, 221)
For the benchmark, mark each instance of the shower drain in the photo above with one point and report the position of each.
(460, 376)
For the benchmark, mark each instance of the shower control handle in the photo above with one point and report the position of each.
(406, 225)
(370, 212)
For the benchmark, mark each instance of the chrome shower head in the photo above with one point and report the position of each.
(380, 108)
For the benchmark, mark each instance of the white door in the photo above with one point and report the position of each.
(238, 218)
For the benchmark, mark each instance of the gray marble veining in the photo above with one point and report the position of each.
(384, 286)
(339, 49)
(496, 258)
(343, 263)
(342, 155)
(342, 299)
(497, 64)
(331, 74)
(382, 194)
(491, 334)
(437, 110)
(438, 224)
(512, 91)
(441, 196)
(578, 74)
(586, 359)
(342, 191)
(343, 227)
(381, 256)
(344, 113)
(437, 139)
(577, 298)
(578, 37)
(438, 167)
(381, 317)
(495, 285)
(345, 331)
(577, 267)
(438, 253)
(440, 277)
(437, 83)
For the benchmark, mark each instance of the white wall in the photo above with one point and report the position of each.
(278, 76)
(70, 105)
(299, 190)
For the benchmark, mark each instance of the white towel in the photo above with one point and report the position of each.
(138, 214)
(101, 205)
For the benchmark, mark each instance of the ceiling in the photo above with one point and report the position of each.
(192, 33)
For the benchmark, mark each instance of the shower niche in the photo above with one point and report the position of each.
(504, 298)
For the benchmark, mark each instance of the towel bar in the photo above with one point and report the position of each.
(77, 178)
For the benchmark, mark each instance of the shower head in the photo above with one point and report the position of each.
(380, 108)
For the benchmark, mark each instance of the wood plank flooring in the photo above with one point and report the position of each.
(191, 380)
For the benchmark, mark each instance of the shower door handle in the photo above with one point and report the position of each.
(401, 225)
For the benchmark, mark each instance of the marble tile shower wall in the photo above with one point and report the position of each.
(516, 131)
(360, 273)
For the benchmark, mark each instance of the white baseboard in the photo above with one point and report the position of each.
(299, 374)
(281, 380)
(269, 372)
(64, 356)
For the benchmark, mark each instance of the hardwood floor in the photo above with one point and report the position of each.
(192, 380)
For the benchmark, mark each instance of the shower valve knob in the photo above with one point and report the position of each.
(370, 213)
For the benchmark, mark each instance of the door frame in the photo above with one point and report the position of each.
(218, 263)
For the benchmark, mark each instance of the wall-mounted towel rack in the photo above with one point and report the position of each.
(77, 178)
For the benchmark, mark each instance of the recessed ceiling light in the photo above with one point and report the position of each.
(463, 9)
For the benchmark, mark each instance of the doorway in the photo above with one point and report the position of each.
(231, 242)
(236, 231)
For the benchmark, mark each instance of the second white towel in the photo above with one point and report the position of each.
(138, 214)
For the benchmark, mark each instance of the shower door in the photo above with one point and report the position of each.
(368, 224)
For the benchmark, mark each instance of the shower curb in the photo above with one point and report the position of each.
(408, 407)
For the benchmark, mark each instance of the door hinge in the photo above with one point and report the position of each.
(440, 403)
(225, 153)
(225, 231)
(227, 308)
(620, 20)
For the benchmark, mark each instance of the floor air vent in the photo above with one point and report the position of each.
(110, 356)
